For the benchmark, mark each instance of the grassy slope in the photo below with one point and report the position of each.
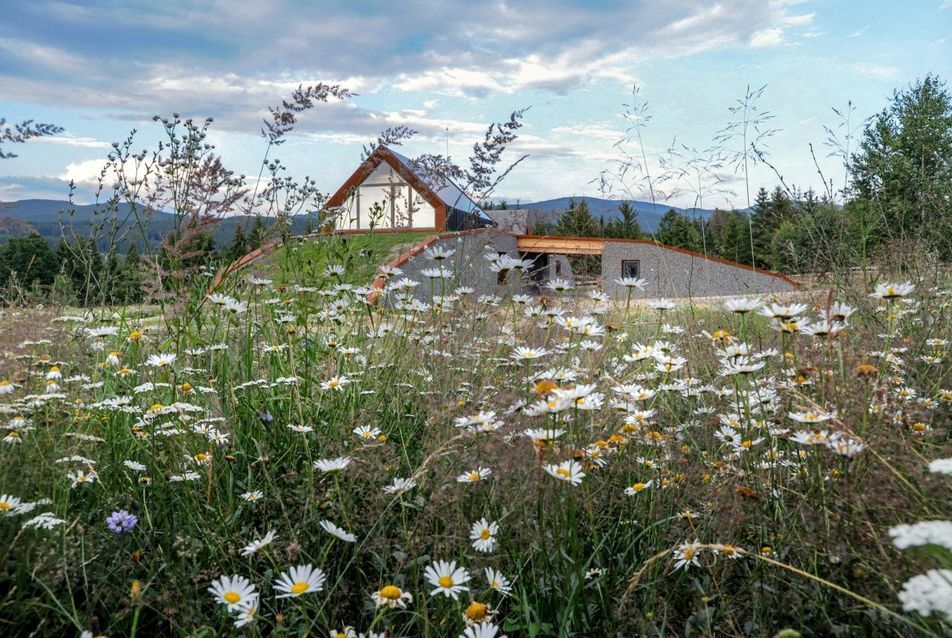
(361, 254)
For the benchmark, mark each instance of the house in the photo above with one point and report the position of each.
(389, 191)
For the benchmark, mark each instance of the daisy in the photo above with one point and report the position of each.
(483, 535)
(526, 354)
(570, 471)
(335, 383)
(482, 630)
(447, 578)
(810, 417)
(399, 486)
(81, 477)
(233, 591)
(340, 533)
(391, 596)
(332, 465)
(303, 579)
(498, 582)
(258, 544)
(253, 496)
(246, 613)
(635, 488)
(160, 360)
(474, 475)
(893, 291)
(366, 432)
(742, 306)
(686, 555)
(10, 505)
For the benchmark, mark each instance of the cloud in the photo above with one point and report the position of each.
(766, 38)
(945, 5)
(876, 71)
(68, 139)
(230, 59)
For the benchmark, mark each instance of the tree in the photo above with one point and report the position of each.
(675, 229)
(577, 221)
(903, 164)
(626, 227)
(30, 258)
(20, 133)
(238, 247)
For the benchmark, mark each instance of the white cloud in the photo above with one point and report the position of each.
(68, 139)
(766, 38)
(877, 71)
(946, 5)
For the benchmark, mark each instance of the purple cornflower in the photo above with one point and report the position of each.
(121, 521)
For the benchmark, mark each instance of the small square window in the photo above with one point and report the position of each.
(558, 268)
(630, 268)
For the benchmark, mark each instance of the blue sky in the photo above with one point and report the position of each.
(100, 68)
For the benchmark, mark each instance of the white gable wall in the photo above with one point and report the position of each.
(385, 200)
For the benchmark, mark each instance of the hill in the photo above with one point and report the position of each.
(49, 218)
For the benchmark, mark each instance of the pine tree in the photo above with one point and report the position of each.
(675, 229)
(577, 221)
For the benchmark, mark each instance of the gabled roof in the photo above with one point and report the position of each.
(438, 190)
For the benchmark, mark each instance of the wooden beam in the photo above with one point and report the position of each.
(561, 245)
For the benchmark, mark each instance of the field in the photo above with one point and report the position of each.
(285, 458)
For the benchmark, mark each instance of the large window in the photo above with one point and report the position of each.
(630, 268)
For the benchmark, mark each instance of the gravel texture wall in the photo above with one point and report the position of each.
(672, 273)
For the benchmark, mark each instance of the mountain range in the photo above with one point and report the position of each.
(49, 218)
(649, 215)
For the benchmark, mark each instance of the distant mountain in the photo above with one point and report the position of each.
(648, 214)
(48, 217)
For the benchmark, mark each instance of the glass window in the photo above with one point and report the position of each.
(630, 268)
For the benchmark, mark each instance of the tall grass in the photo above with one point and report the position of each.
(770, 532)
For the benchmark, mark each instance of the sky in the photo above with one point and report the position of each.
(101, 68)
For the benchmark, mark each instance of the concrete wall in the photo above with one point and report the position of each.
(469, 264)
(671, 273)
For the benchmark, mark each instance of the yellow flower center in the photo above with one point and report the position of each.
(4, 506)
(445, 581)
(563, 472)
(746, 444)
(495, 584)
(689, 553)
(474, 476)
(485, 534)
(391, 592)
(638, 487)
(299, 587)
(476, 611)
(231, 597)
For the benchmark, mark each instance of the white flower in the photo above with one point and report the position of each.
(923, 533)
(482, 630)
(893, 291)
(929, 592)
(473, 476)
(483, 535)
(340, 533)
(447, 578)
(160, 360)
(232, 591)
(498, 582)
(941, 466)
(332, 465)
(400, 485)
(258, 544)
(303, 579)
(570, 471)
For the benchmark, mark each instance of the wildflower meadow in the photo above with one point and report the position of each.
(326, 458)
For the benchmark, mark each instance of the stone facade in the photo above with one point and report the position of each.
(673, 273)
(670, 272)
(469, 264)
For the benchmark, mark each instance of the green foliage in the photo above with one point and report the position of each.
(903, 165)
(675, 229)
(626, 227)
(30, 258)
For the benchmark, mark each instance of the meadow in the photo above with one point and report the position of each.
(291, 455)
